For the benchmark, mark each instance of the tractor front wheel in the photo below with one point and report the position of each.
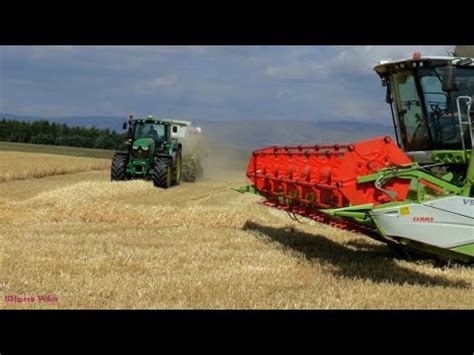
(161, 174)
(118, 170)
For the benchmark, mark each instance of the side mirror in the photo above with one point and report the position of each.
(449, 79)
(124, 126)
(175, 129)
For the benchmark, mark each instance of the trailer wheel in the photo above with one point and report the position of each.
(190, 171)
(161, 174)
(118, 170)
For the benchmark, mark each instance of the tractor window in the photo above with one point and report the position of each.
(150, 130)
(413, 128)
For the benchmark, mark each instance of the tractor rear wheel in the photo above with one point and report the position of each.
(161, 173)
(118, 170)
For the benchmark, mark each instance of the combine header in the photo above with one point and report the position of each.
(414, 192)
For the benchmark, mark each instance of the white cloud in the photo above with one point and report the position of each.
(147, 86)
(295, 71)
(245, 81)
(304, 64)
(362, 59)
(343, 83)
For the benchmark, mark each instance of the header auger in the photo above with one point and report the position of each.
(326, 176)
(414, 192)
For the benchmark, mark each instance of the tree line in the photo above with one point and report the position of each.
(45, 132)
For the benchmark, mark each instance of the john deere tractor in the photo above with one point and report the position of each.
(150, 153)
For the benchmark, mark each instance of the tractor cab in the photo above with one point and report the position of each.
(149, 132)
(155, 131)
(431, 99)
(151, 152)
(159, 131)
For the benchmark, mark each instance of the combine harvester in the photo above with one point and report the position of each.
(414, 193)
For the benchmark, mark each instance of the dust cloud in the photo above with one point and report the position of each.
(218, 161)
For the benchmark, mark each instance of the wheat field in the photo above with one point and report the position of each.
(23, 166)
(96, 244)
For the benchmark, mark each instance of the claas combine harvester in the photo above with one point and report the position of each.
(413, 191)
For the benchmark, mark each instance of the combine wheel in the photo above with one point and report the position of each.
(118, 170)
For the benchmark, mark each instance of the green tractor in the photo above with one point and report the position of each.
(150, 153)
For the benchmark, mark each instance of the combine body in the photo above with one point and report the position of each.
(414, 191)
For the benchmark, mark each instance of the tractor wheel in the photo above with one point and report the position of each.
(118, 170)
(177, 168)
(161, 173)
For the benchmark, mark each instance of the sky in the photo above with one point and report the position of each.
(200, 82)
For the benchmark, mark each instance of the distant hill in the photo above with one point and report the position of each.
(254, 134)
(464, 51)
(250, 134)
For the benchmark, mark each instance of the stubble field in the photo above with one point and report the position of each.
(95, 244)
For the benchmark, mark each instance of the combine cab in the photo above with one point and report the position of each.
(414, 191)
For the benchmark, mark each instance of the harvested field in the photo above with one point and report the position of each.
(93, 244)
(23, 166)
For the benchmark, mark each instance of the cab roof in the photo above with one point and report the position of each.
(179, 122)
(163, 121)
(147, 120)
(386, 66)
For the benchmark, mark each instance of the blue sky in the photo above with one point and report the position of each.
(199, 83)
